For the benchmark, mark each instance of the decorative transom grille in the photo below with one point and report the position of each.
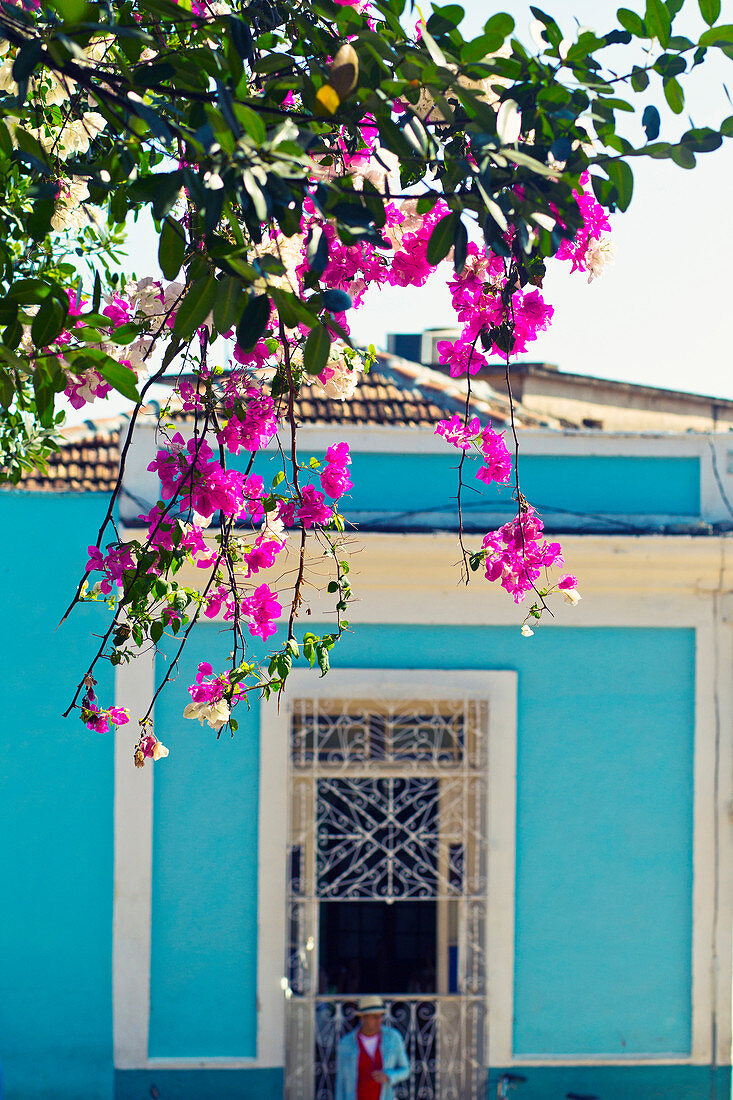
(388, 804)
(338, 731)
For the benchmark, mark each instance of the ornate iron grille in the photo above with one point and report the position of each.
(377, 838)
(388, 804)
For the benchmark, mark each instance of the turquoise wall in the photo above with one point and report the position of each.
(56, 786)
(604, 850)
(604, 831)
(204, 920)
(581, 485)
(587, 484)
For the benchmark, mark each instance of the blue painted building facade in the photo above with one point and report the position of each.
(145, 923)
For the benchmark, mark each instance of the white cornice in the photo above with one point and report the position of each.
(645, 580)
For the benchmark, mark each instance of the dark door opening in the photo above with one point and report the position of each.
(377, 947)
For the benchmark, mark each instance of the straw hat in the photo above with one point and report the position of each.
(370, 1004)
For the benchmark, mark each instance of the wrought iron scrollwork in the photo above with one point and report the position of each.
(388, 803)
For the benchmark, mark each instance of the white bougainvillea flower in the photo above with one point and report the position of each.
(71, 211)
(216, 714)
(600, 252)
(508, 122)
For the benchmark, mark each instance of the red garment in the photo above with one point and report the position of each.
(366, 1087)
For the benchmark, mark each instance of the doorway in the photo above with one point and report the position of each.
(387, 888)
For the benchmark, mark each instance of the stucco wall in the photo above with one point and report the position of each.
(56, 785)
(604, 836)
(604, 840)
(204, 917)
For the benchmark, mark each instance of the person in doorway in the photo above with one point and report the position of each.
(371, 1058)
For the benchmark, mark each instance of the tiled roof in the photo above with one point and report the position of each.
(395, 393)
(87, 462)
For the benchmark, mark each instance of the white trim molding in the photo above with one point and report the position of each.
(133, 873)
(133, 861)
(627, 582)
(498, 689)
(133, 880)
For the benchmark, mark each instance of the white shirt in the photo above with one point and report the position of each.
(371, 1042)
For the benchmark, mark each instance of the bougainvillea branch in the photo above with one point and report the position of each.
(293, 158)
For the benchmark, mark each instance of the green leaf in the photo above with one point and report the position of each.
(639, 79)
(446, 18)
(717, 36)
(317, 348)
(650, 121)
(8, 311)
(335, 300)
(96, 292)
(682, 156)
(195, 307)
(172, 247)
(426, 203)
(32, 148)
(621, 176)
(166, 189)
(228, 303)
(670, 64)
(442, 238)
(702, 139)
(120, 378)
(26, 60)
(292, 311)
(657, 21)
(29, 291)
(499, 25)
(253, 322)
(7, 390)
(726, 127)
(38, 223)
(527, 161)
(241, 37)
(709, 10)
(48, 322)
(125, 334)
(72, 11)
(252, 123)
(416, 134)
(632, 22)
(43, 393)
(674, 95)
(323, 662)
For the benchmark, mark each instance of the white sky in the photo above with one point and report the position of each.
(661, 315)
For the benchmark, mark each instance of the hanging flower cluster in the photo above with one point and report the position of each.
(249, 406)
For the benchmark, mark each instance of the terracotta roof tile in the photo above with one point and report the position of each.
(378, 401)
(86, 463)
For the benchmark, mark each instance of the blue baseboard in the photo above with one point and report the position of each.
(198, 1084)
(648, 1082)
